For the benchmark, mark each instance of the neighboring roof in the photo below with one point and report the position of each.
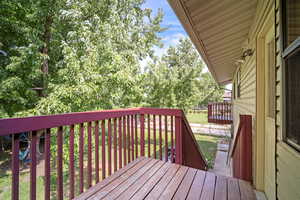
(218, 29)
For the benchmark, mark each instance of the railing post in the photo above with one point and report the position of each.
(142, 126)
(178, 140)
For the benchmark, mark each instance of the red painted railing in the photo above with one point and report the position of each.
(219, 113)
(241, 151)
(109, 139)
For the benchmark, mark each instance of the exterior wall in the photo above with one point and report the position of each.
(288, 159)
(246, 103)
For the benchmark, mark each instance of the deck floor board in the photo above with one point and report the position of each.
(147, 178)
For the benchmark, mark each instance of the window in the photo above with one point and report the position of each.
(290, 10)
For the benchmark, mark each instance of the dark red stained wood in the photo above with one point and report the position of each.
(149, 185)
(139, 183)
(209, 187)
(142, 126)
(174, 184)
(132, 138)
(233, 189)
(33, 165)
(123, 187)
(109, 147)
(115, 145)
(47, 164)
(149, 136)
(124, 142)
(246, 191)
(60, 164)
(15, 166)
(172, 140)
(120, 143)
(162, 184)
(96, 132)
(185, 185)
(166, 138)
(128, 138)
(154, 136)
(221, 188)
(136, 136)
(108, 180)
(103, 149)
(197, 186)
(81, 152)
(19, 125)
(109, 188)
(160, 137)
(89, 167)
(178, 140)
(71, 164)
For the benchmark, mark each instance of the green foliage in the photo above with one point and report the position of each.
(93, 51)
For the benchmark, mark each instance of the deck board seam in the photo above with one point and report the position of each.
(141, 168)
(169, 167)
(134, 163)
(155, 172)
(98, 191)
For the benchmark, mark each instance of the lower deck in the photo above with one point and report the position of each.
(147, 178)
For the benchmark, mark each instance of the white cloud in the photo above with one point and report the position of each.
(173, 39)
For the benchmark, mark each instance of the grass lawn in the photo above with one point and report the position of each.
(198, 118)
(208, 145)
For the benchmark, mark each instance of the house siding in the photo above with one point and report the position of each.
(246, 103)
(287, 159)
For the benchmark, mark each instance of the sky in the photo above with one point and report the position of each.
(174, 32)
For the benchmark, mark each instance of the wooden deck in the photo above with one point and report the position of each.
(147, 178)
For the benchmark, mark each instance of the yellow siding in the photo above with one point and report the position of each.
(288, 160)
(246, 104)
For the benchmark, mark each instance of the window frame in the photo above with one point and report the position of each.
(286, 52)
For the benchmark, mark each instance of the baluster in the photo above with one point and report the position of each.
(142, 126)
(15, 166)
(103, 149)
(115, 145)
(59, 164)
(124, 141)
(71, 158)
(109, 147)
(136, 136)
(120, 142)
(154, 136)
(178, 140)
(172, 140)
(81, 151)
(47, 165)
(33, 165)
(89, 168)
(166, 138)
(128, 138)
(132, 138)
(96, 131)
(160, 138)
(149, 136)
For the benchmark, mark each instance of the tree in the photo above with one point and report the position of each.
(84, 55)
(172, 78)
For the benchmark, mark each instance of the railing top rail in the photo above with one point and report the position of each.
(24, 124)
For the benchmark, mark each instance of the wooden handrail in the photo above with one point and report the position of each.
(241, 149)
(193, 156)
